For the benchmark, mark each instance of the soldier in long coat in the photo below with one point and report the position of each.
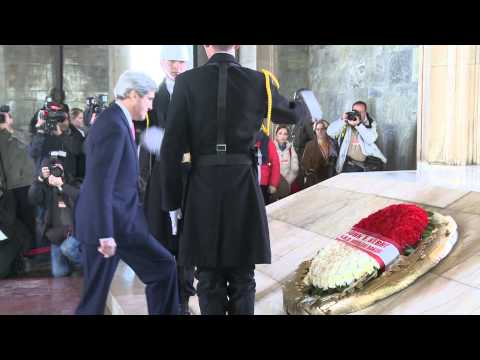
(216, 111)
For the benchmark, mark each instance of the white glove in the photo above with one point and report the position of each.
(175, 215)
(152, 139)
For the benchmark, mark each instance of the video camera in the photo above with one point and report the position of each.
(53, 114)
(95, 105)
(4, 109)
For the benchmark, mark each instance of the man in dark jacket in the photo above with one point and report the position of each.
(18, 171)
(216, 111)
(174, 61)
(15, 238)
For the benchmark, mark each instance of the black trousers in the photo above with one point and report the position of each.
(152, 263)
(224, 291)
(186, 277)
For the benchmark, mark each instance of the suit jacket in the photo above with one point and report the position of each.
(108, 204)
(225, 223)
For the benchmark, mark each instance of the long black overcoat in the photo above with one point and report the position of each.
(225, 223)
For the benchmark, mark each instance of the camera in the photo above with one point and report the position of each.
(53, 114)
(4, 109)
(95, 105)
(55, 170)
(352, 115)
(54, 163)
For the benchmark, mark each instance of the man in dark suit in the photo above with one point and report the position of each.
(162, 224)
(108, 213)
(216, 111)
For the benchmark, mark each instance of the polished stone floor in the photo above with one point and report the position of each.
(40, 296)
(303, 223)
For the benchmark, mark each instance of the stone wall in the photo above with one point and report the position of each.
(292, 68)
(385, 77)
(27, 72)
(85, 72)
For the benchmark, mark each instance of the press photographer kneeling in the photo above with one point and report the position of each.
(55, 191)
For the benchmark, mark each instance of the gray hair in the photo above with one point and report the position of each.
(133, 80)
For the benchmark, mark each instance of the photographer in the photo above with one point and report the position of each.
(94, 107)
(355, 134)
(53, 133)
(55, 191)
(79, 130)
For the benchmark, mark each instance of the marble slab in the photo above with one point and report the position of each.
(285, 266)
(387, 185)
(285, 238)
(470, 203)
(271, 304)
(466, 272)
(468, 241)
(429, 295)
(305, 222)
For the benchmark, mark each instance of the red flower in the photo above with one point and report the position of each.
(403, 224)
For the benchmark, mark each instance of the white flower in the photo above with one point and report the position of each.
(339, 265)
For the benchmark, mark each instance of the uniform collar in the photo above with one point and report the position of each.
(222, 57)
(169, 84)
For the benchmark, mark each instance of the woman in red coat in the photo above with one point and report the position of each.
(269, 165)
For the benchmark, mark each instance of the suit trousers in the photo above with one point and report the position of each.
(224, 291)
(152, 263)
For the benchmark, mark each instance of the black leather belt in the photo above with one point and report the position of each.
(225, 160)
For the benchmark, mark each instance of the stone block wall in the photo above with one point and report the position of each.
(85, 73)
(27, 72)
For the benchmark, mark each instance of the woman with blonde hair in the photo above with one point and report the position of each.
(320, 155)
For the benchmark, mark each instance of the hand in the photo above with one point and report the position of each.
(55, 181)
(40, 121)
(345, 117)
(175, 215)
(58, 131)
(272, 189)
(92, 118)
(107, 247)
(45, 172)
(354, 122)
